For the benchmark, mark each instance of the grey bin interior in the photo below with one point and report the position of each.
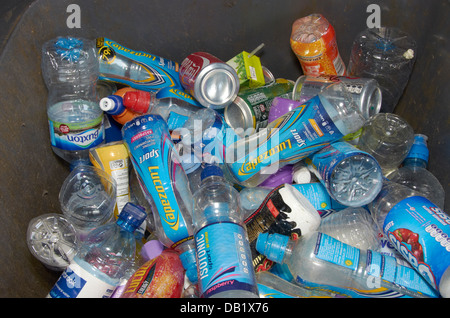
(31, 175)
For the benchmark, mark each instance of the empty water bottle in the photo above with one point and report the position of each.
(387, 137)
(386, 54)
(352, 177)
(414, 173)
(53, 240)
(418, 229)
(103, 259)
(224, 260)
(353, 226)
(88, 198)
(70, 71)
(317, 260)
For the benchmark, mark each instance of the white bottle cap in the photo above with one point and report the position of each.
(302, 175)
(106, 104)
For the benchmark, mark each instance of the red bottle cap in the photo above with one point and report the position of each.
(138, 101)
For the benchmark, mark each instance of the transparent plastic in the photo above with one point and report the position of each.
(106, 255)
(70, 71)
(87, 198)
(353, 226)
(53, 240)
(217, 208)
(309, 269)
(388, 137)
(386, 54)
(414, 173)
(339, 106)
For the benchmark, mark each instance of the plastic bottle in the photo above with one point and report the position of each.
(386, 54)
(293, 136)
(388, 137)
(150, 250)
(282, 176)
(273, 286)
(224, 260)
(419, 231)
(113, 106)
(193, 168)
(137, 69)
(104, 258)
(70, 71)
(352, 177)
(414, 173)
(160, 277)
(87, 198)
(164, 184)
(317, 260)
(313, 40)
(53, 240)
(353, 226)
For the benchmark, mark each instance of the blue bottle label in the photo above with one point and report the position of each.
(224, 261)
(160, 173)
(269, 292)
(420, 231)
(156, 72)
(302, 132)
(77, 136)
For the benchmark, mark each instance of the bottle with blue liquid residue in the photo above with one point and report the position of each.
(164, 184)
(70, 70)
(224, 260)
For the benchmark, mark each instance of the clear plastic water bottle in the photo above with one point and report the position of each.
(88, 198)
(70, 71)
(317, 260)
(273, 286)
(193, 168)
(388, 137)
(103, 259)
(353, 226)
(386, 54)
(414, 173)
(293, 136)
(224, 260)
(419, 231)
(352, 177)
(53, 240)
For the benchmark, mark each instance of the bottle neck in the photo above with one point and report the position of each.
(415, 162)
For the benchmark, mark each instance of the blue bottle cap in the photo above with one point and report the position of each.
(272, 245)
(419, 149)
(69, 48)
(112, 105)
(131, 217)
(211, 170)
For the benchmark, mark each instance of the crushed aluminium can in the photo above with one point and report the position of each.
(211, 81)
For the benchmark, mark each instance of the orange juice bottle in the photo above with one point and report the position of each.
(313, 40)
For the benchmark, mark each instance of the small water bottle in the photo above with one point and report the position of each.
(53, 240)
(353, 226)
(70, 71)
(387, 137)
(386, 54)
(419, 231)
(414, 173)
(88, 198)
(224, 260)
(103, 259)
(319, 261)
(352, 177)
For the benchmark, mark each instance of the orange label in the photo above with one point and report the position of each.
(321, 56)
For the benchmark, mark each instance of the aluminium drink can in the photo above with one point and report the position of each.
(211, 81)
(365, 92)
(250, 109)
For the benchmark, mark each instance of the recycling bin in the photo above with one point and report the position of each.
(31, 174)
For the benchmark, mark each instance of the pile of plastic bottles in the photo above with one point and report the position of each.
(208, 178)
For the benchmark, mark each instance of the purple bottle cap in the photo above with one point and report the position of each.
(281, 106)
(282, 176)
(152, 249)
